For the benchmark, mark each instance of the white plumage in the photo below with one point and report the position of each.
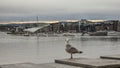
(70, 49)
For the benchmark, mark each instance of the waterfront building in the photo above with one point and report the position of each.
(118, 29)
(71, 26)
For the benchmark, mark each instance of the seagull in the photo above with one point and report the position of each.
(71, 50)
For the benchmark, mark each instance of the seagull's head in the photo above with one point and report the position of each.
(68, 45)
(67, 40)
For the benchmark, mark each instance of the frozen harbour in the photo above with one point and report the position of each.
(20, 49)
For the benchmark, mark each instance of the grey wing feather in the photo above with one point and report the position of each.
(73, 50)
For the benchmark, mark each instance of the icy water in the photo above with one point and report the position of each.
(20, 49)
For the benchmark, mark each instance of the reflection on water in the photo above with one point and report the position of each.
(19, 49)
(102, 38)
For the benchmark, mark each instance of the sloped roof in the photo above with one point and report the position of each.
(34, 29)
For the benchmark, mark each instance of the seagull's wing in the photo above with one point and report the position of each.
(73, 50)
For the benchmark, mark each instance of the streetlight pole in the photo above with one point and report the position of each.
(79, 25)
(37, 19)
(37, 31)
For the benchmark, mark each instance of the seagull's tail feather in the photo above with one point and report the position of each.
(80, 52)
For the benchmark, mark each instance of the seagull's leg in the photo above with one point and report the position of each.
(71, 56)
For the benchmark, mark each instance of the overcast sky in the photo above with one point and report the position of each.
(13, 10)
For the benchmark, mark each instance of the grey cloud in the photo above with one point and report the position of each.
(86, 8)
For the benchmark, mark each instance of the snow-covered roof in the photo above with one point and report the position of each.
(96, 20)
(28, 22)
(34, 29)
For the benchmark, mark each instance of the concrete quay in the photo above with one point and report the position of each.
(90, 63)
(112, 61)
(116, 57)
(32, 65)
